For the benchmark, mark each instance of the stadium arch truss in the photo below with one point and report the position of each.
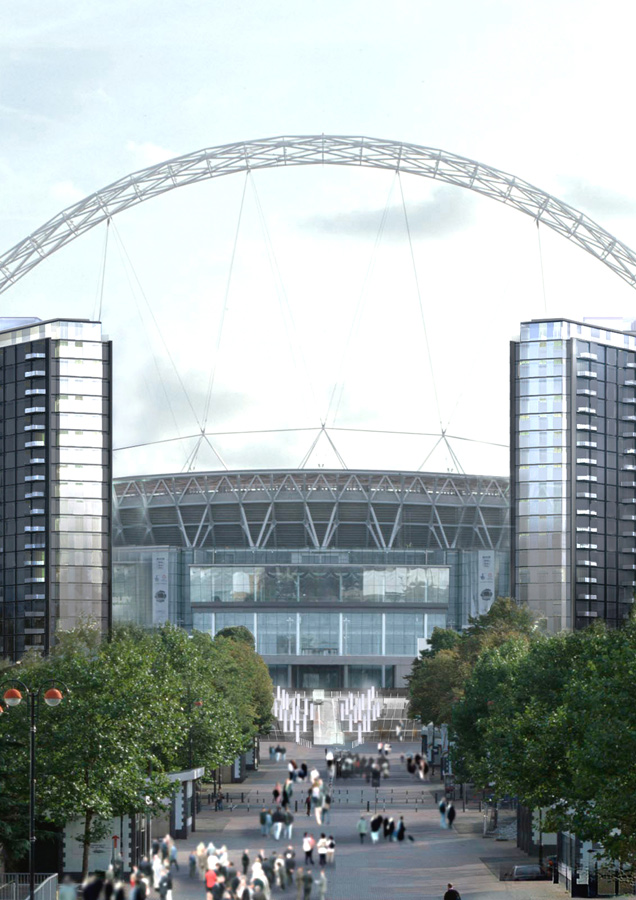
(313, 510)
(325, 150)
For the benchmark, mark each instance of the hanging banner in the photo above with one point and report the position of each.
(160, 588)
(486, 576)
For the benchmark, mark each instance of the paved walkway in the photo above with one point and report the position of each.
(388, 871)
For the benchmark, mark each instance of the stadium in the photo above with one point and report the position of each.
(341, 575)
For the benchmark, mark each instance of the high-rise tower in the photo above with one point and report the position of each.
(55, 480)
(573, 471)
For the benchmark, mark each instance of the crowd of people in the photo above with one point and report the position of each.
(255, 879)
(235, 875)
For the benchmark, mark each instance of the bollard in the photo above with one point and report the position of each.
(367, 806)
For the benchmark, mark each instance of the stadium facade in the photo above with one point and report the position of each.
(340, 575)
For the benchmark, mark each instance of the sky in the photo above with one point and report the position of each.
(259, 306)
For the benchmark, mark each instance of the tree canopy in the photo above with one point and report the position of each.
(140, 705)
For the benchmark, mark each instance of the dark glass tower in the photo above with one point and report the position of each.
(573, 471)
(55, 476)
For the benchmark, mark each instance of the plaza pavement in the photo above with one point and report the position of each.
(387, 871)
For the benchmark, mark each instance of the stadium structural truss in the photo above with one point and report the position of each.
(315, 510)
(325, 150)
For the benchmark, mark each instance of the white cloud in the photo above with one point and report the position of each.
(66, 192)
(148, 154)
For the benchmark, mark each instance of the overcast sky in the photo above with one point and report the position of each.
(91, 91)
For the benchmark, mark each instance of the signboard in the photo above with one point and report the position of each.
(318, 695)
(486, 579)
(160, 588)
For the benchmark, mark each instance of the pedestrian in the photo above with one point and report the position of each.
(308, 802)
(289, 824)
(68, 889)
(376, 825)
(290, 864)
(165, 885)
(331, 851)
(442, 813)
(326, 809)
(322, 885)
(450, 813)
(361, 828)
(280, 875)
(452, 893)
(202, 859)
(173, 856)
(165, 848)
(210, 881)
(400, 831)
(192, 865)
(321, 846)
(299, 882)
(308, 848)
(276, 793)
(278, 820)
(391, 829)
(157, 868)
(308, 881)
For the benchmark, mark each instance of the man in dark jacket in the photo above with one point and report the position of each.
(452, 893)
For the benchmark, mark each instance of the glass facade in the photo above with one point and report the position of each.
(573, 444)
(325, 585)
(55, 475)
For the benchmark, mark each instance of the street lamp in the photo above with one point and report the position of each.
(13, 696)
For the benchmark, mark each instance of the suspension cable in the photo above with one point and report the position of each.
(341, 371)
(215, 361)
(286, 312)
(420, 302)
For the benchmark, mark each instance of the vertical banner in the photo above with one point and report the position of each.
(486, 576)
(160, 588)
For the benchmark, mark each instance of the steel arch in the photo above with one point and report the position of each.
(323, 149)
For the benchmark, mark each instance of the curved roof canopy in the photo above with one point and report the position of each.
(331, 150)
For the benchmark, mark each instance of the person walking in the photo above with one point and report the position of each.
(450, 813)
(308, 848)
(165, 885)
(173, 856)
(210, 881)
(299, 882)
(451, 893)
(262, 818)
(400, 831)
(308, 882)
(442, 813)
(290, 864)
(361, 828)
(331, 851)
(278, 820)
(326, 809)
(376, 825)
(245, 861)
(322, 846)
(322, 885)
(289, 824)
(308, 802)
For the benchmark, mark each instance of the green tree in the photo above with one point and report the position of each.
(98, 751)
(237, 633)
(438, 678)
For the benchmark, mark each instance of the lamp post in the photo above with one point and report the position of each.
(13, 696)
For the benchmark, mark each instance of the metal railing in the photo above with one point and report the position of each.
(15, 886)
